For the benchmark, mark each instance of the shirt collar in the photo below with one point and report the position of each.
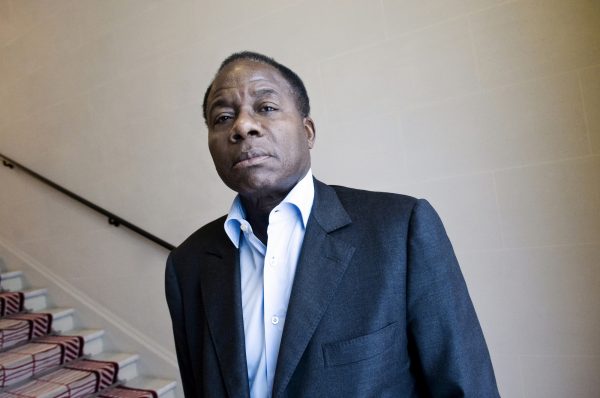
(301, 197)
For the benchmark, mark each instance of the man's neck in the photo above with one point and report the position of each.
(258, 209)
(257, 214)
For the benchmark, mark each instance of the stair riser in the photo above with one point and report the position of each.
(168, 394)
(93, 347)
(12, 283)
(128, 372)
(36, 303)
(63, 324)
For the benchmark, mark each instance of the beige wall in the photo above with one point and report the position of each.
(488, 108)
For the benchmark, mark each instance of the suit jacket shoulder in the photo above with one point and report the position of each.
(375, 217)
(361, 203)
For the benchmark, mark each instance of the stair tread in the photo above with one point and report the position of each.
(87, 334)
(35, 342)
(10, 274)
(57, 312)
(150, 383)
(122, 358)
(34, 292)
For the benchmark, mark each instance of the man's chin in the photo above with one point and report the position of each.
(261, 181)
(263, 188)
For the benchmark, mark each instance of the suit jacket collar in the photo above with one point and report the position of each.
(322, 263)
(221, 296)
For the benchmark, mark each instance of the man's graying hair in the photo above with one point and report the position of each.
(298, 89)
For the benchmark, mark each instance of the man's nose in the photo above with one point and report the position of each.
(245, 125)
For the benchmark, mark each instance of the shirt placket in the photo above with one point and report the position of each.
(274, 316)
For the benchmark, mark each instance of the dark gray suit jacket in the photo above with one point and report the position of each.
(379, 307)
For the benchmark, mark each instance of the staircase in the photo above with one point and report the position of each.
(43, 354)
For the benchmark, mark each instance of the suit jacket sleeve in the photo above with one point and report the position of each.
(175, 303)
(451, 355)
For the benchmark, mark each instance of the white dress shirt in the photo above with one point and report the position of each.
(267, 275)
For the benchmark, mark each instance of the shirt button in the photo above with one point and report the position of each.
(275, 320)
(272, 262)
(244, 227)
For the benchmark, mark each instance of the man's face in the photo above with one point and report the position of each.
(258, 140)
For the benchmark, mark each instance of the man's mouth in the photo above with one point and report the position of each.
(250, 158)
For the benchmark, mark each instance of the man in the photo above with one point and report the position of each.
(310, 290)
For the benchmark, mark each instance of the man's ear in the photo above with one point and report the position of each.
(311, 132)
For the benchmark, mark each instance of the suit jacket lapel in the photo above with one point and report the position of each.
(323, 262)
(220, 281)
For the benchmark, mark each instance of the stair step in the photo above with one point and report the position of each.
(62, 318)
(38, 356)
(92, 338)
(16, 329)
(164, 388)
(11, 281)
(36, 299)
(19, 328)
(127, 363)
(77, 379)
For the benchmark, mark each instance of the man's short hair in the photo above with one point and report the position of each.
(298, 89)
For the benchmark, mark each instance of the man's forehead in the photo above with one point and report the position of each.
(243, 72)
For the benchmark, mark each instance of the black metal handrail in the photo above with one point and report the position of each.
(113, 219)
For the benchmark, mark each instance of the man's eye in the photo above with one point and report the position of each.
(267, 108)
(222, 119)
